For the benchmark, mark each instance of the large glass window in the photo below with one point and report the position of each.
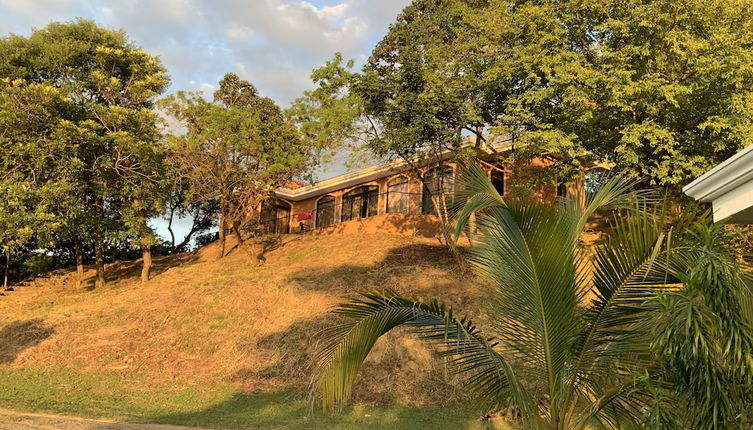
(360, 202)
(397, 195)
(498, 180)
(440, 183)
(561, 188)
(325, 211)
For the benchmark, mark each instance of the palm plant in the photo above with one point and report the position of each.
(565, 361)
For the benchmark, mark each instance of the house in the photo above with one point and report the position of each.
(728, 187)
(389, 196)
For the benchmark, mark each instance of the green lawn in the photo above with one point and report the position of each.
(107, 395)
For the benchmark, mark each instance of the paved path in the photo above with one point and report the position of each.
(11, 420)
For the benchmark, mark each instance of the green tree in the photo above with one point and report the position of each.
(35, 172)
(108, 86)
(359, 110)
(666, 338)
(235, 150)
(658, 87)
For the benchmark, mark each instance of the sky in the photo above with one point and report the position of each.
(274, 44)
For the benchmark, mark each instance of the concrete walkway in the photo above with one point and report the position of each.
(11, 420)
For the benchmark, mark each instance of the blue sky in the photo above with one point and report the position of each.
(272, 43)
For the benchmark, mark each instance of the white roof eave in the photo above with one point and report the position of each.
(723, 178)
(358, 177)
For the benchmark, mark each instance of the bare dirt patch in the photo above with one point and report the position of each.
(11, 420)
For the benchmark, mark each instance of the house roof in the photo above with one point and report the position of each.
(729, 186)
(361, 176)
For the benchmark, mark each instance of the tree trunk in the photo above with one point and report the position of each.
(179, 247)
(170, 227)
(223, 227)
(79, 263)
(186, 239)
(146, 250)
(99, 260)
(250, 249)
(440, 204)
(7, 269)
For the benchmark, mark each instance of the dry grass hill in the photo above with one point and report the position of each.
(223, 343)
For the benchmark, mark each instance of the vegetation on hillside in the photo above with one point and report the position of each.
(225, 344)
(666, 341)
(234, 152)
(658, 88)
(78, 140)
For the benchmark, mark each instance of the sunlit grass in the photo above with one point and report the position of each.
(108, 395)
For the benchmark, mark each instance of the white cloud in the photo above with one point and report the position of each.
(239, 33)
(273, 43)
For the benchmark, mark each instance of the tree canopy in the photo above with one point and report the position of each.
(235, 150)
(662, 89)
(101, 124)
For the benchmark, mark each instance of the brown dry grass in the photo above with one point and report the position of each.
(202, 320)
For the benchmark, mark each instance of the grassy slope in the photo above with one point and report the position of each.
(225, 344)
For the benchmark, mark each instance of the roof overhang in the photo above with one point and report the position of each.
(361, 176)
(728, 187)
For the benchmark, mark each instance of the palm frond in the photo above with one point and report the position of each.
(346, 346)
(627, 272)
(475, 193)
(528, 254)
(527, 258)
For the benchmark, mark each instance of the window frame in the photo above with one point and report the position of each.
(446, 168)
(328, 197)
(502, 172)
(366, 191)
(396, 181)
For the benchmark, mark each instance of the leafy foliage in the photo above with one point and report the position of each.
(88, 94)
(580, 340)
(660, 88)
(235, 150)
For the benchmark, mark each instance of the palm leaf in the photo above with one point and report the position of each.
(346, 346)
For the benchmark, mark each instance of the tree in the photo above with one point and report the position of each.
(35, 172)
(202, 213)
(108, 86)
(344, 108)
(655, 87)
(236, 151)
(665, 338)
(660, 88)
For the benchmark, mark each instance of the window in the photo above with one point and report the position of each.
(325, 211)
(397, 195)
(275, 216)
(498, 180)
(282, 220)
(360, 202)
(561, 189)
(440, 182)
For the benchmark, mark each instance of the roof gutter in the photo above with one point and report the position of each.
(723, 178)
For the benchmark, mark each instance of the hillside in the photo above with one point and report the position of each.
(204, 332)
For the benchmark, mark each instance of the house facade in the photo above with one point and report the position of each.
(390, 190)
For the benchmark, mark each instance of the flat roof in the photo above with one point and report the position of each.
(360, 176)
